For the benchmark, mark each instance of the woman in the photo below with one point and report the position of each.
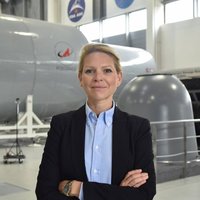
(97, 152)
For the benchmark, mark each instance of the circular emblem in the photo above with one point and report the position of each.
(123, 3)
(76, 9)
(64, 51)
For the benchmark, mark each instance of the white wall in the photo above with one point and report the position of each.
(179, 45)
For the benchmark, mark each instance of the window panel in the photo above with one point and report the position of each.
(198, 4)
(178, 11)
(114, 26)
(91, 30)
(138, 20)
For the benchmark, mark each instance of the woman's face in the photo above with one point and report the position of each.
(99, 78)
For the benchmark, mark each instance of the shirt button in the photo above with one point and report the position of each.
(96, 171)
(108, 123)
(97, 147)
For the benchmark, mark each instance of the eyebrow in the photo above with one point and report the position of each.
(104, 66)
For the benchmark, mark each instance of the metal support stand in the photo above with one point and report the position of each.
(28, 123)
(18, 155)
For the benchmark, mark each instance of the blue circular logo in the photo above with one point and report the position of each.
(123, 3)
(76, 9)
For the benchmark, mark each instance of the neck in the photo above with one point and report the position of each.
(99, 107)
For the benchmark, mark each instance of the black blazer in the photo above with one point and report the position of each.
(63, 158)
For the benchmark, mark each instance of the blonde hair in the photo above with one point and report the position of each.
(95, 47)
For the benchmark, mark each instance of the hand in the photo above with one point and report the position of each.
(75, 190)
(134, 178)
(61, 185)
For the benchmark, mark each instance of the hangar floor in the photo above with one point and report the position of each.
(17, 181)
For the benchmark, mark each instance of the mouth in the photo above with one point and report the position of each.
(98, 87)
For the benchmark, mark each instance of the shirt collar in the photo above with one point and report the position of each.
(106, 116)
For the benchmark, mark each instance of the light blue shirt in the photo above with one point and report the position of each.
(98, 146)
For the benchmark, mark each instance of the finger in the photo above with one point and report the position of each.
(139, 184)
(136, 179)
(132, 172)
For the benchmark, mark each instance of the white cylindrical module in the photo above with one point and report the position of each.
(41, 59)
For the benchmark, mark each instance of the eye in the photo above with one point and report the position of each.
(89, 71)
(108, 70)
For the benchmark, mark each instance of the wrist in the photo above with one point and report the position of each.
(71, 188)
(66, 188)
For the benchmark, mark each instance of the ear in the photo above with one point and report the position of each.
(119, 76)
(80, 78)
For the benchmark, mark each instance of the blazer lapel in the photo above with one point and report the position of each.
(120, 148)
(78, 138)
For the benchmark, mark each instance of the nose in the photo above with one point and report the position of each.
(98, 76)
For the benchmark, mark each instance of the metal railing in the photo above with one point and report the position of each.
(185, 137)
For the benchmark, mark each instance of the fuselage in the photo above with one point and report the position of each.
(41, 59)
